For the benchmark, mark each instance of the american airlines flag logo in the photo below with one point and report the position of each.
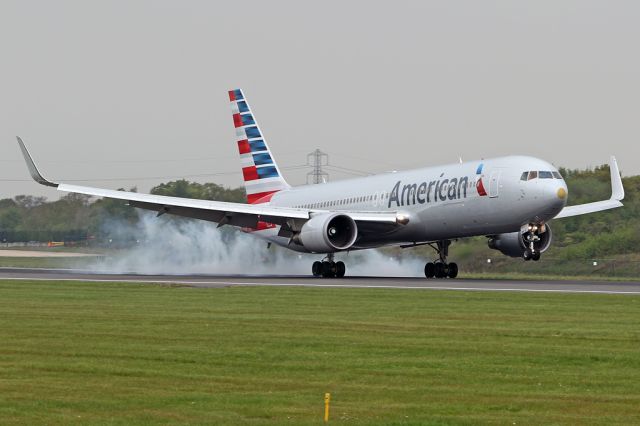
(479, 185)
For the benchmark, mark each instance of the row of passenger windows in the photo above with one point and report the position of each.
(368, 198)
(540, 174)
(344, 201)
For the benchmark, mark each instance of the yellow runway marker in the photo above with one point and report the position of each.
(327, 399)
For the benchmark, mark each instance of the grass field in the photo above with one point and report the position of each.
(44, 262)
(116, 354)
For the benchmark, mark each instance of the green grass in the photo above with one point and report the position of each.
(116, 354)
(45, 262)
(521, 276)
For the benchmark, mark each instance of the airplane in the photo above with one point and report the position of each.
(510, 200)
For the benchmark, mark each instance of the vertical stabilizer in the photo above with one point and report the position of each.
(262, 177)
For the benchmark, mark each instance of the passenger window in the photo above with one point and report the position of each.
(524, 175)
(533, 175)
(546, 175)
(557, 175)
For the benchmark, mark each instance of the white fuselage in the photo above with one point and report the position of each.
(484, 197)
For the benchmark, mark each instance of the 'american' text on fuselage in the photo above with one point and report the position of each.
(427, 192)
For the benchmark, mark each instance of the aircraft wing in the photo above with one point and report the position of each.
(237, 214)
(617, 195)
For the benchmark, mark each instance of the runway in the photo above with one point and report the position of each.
(597, 287)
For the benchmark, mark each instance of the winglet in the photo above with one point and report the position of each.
(33, 170)
(617, 190)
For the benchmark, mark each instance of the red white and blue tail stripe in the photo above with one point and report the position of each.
(262, 177)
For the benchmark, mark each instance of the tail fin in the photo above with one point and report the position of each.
(262, 177)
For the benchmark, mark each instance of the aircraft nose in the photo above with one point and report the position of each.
(555, 194)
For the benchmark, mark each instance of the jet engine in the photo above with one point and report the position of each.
(514, 244)
(327, 233)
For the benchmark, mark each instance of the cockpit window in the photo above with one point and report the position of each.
(542, 174)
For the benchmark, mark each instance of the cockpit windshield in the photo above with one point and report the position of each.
(540, 174)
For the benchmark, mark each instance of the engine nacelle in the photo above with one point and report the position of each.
(328, 233)
(514, 244)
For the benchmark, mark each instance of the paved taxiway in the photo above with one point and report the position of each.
(603, 287)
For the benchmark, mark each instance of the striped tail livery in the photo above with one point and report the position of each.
(262, 177)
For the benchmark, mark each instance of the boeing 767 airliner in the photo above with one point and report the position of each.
(510, 200)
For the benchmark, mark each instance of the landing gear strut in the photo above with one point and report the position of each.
(440, 268)
(531, 238)
(328, 268)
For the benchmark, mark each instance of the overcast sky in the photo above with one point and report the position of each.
(133, 93)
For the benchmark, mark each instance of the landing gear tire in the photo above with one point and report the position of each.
(535, 256)
(328, 269)
(528, 255)
(316, 269)
(453, 270)
(429, 270)
(441, 270)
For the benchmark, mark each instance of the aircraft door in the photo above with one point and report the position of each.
(494, 184)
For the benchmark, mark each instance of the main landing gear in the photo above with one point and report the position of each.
(440, 268)
(328, 268)
(532, 237)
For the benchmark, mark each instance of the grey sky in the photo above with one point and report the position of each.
(137, 89)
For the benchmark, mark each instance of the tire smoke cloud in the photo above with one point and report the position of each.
(175, 246)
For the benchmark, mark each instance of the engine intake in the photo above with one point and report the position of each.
(514, 244)
(328, 233)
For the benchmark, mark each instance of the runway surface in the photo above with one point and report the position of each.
(602, 287)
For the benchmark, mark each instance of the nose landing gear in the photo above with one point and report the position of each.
(328, 268)
(532, 238)
(440, 268)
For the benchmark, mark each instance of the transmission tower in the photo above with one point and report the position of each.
(317, 159)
